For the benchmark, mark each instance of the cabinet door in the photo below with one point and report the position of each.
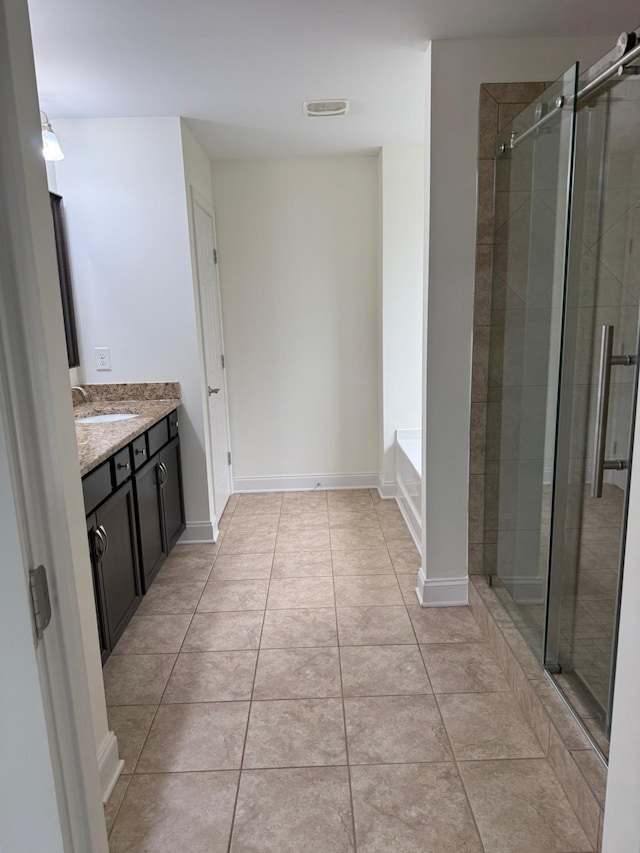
(152, 543)
(172, 493)
(98, 592)
(119, 561)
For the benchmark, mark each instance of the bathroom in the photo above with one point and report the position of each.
(322, 445)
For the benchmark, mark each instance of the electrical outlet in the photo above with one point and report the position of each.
(103, 358)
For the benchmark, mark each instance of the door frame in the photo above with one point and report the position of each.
(197, 199)
(44, 488)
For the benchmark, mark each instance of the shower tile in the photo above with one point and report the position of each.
(485, 202)
(487, 124)
(514, 93)
(508, 111)
(482, 286)
(477, 438)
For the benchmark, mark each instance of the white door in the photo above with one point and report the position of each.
(211, 321)
(50, 796)
(29, 817)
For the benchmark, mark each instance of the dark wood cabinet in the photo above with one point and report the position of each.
(98, 594)
(160, 508)
(135, 515)
(172, 496)
(149, 502)
(114, 547)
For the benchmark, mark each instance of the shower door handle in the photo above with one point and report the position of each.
(607, 361)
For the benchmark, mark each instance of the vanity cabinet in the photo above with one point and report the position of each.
(135, 515)
(160, 508)
(113, 543)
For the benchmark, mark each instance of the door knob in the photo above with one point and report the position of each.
(212, 390)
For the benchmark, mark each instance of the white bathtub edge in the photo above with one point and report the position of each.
(442, 592)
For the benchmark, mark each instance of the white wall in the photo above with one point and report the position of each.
(123, 183)
(458, 67)
(298, 244)
(622, 815)
(402, 175)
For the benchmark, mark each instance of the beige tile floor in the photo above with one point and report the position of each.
(283, 691)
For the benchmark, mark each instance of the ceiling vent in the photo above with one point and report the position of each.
(325, 108)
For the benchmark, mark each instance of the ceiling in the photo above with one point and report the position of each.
(239, 70)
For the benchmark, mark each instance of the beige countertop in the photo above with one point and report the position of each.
(97, 442)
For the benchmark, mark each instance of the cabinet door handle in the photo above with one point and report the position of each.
(165, 473)
(101, 545)
(103, 534)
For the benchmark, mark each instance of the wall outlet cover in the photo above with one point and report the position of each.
(102, 357)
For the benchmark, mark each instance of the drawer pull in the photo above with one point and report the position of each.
(140, 451)
(125, 465)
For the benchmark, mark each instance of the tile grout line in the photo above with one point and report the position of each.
(444, 728)
(180, 651)
(157, 708)
(253, 684)
(344, 711)
(164, 690)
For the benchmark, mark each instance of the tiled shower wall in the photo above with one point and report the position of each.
(499, 104)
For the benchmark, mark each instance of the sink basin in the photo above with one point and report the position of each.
(104, 419)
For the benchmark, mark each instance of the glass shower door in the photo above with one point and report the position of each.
(533, 171)
(598, 398)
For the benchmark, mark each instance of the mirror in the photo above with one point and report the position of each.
(64, 273)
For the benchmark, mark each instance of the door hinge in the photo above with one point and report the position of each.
(222, 361)
(40, 599)
(215, 256)
(229, 457)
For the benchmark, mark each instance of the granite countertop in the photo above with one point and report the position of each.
(97, 442)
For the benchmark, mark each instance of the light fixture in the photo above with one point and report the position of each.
(50, 145)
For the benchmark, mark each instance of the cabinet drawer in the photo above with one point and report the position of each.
(158, 436)
(121, 466)
(139, 450)
(173, 424)
(96, 486)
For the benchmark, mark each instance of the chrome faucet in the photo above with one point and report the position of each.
(79, 388)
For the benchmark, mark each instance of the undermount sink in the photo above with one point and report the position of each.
(104, 419)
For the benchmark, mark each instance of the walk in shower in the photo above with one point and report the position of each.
(562, 375)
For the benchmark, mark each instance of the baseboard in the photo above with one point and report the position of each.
(387, 490)
(198, 532)
(443, 592)
(109, 764)
(306, 482)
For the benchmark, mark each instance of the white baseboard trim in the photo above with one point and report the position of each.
(442, 592)
(306, 482)
(387, 490)
(110, 765)
(198, 532)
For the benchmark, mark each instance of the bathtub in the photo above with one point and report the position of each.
(409, 480)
